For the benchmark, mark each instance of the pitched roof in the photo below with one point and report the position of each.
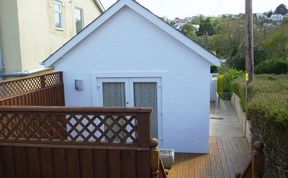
(144, 12)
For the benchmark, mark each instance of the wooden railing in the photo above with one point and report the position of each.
(74, 142)
(255, 167)
(42, 90)
(157, 167)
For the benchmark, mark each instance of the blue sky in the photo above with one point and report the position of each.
(186, 8)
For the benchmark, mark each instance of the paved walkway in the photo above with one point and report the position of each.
(224, 121)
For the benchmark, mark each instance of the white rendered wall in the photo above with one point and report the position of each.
(213, 89)
(128, 43)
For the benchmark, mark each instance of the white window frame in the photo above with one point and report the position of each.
(81, 16)
(60, 12)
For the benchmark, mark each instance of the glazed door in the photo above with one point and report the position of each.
(132, 92)
(145, 95)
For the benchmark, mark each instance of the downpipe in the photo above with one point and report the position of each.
(21, 73)
(15, 74)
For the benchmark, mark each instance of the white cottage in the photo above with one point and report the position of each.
(129, 57)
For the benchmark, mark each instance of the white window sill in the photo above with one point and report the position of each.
(59, 29)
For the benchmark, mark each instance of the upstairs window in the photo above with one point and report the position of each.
(58, 15)
(79, 19)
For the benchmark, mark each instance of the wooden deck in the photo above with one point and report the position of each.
(227, 157)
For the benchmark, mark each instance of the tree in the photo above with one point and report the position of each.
(276, 46)
(189, 30)
(281, 9)
(269, 14)
(206, 29)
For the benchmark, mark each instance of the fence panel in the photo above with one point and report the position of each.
(93, 142)
(42, 90)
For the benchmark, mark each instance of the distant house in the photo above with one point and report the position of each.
(180, 23)
(128, 57)
(277, 17)
(31, 30)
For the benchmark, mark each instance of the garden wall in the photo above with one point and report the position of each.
(242, 116)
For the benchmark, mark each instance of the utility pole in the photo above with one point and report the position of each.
(249, 42)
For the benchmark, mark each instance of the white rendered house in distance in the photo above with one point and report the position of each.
(129, 57)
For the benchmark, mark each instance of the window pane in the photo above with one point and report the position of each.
(57, 20)
(145, 95)
(114, 94)
(79, 19)
(78, 14)
(58, 14)
(57, 7)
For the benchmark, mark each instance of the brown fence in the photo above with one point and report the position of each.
(42, 90)
(74, 142)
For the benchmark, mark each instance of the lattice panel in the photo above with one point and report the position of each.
(18, 86)
(52, 79)
(105, 128)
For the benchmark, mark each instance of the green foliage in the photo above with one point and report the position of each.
(229, 76)
(206, 27)
(259, 54)
(225, 82)
(229, 42)
(213, 69)
(281, 9)
(220, 83)
(272, 67)
(262, 84)
(276, 46)
(238, 87)
(237, 61)
(225, 36)
(268, 112)
(189, 30)
(269, 14)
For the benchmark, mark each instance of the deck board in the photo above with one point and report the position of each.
(227, 156)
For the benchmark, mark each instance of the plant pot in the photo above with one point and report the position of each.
(167, 157)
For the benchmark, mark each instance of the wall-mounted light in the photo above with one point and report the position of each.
(79, 84)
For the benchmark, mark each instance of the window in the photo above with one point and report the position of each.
(58, 16)
(79, 19)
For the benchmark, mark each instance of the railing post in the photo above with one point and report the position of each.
(258, 160)
(143, 127)
(155, 158)
(61, 77)
(42, 81)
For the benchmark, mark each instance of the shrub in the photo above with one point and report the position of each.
(268, 111)
(224, 82)
(220, 83)
(262, 84)
(229, 76)
(272, 67)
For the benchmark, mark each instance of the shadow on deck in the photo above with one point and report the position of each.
(227, 156)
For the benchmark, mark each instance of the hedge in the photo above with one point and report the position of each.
(272, 67)
(268, 112)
